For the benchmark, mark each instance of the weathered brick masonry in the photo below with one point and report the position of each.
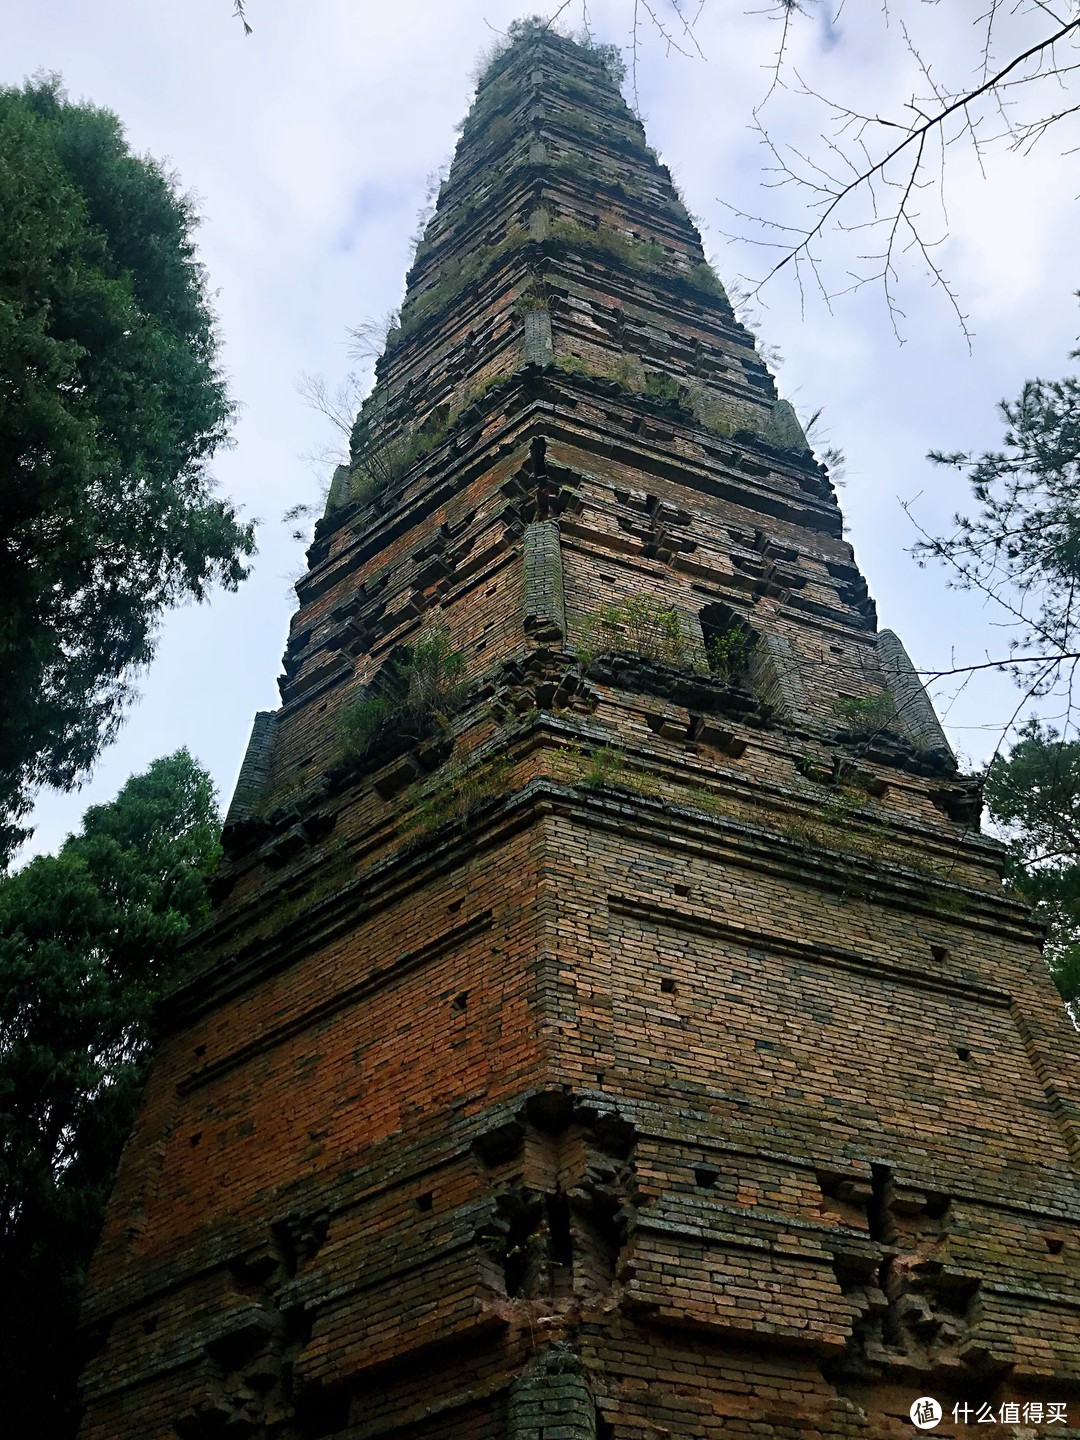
(634, 1040)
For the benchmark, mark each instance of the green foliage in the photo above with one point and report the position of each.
(474, 393)
(715, 413)
(530, 299)
(867, 714)
(89, 940)
(459, 791)
(604, 766)
(500, 129)
(362, 723)
(597, 767)
(607, 58)
(575, 365)
(642, 626)
(627, 371)
(1034, 795)
(380, 464)
(433, 676)
(456, 276)
(111, 404)
(703, 277)
(711, 411)
(728, 652)
(641, 254)
(378, 459)
(420, 691)
(1022, 546)
(661, 387)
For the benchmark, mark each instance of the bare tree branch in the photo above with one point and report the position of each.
(915, 136)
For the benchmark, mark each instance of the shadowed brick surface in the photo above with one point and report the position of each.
(640, 1044)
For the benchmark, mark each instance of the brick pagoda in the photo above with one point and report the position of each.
(612, 1024)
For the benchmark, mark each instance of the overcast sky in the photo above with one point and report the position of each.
(309, 144)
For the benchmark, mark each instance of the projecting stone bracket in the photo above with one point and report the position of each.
(700, 693)
(842, 772)
(298, 838)
(560, 1211)
(283, 832)
(962, 802)
(916, 1310)
(539, 490)
(542, 681)
(662, 529)
(245, 1385)
(705, 730)
(885, 747)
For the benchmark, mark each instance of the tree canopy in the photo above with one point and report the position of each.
(1035, 795)
(1021, 547)
(90, 939)
(111, 404)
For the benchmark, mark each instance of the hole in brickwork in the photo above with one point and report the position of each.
(150, 1324)
(706, 1176)
(878, 1220)
(667, 984)
(481, 645)
(683, 890)
(524, 1217)
(454, 906)
(1055, 1244)
(460, 1002)
(194, 1139)
(425, 1201)
(558, 1218)
(200, 1050)
(729, 641)
(604, 1428)
(939, 952)
(963, 1052)
(492, 591)
(323, 1412)
(600, 1077)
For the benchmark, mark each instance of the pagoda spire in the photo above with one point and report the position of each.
(611, 1023)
